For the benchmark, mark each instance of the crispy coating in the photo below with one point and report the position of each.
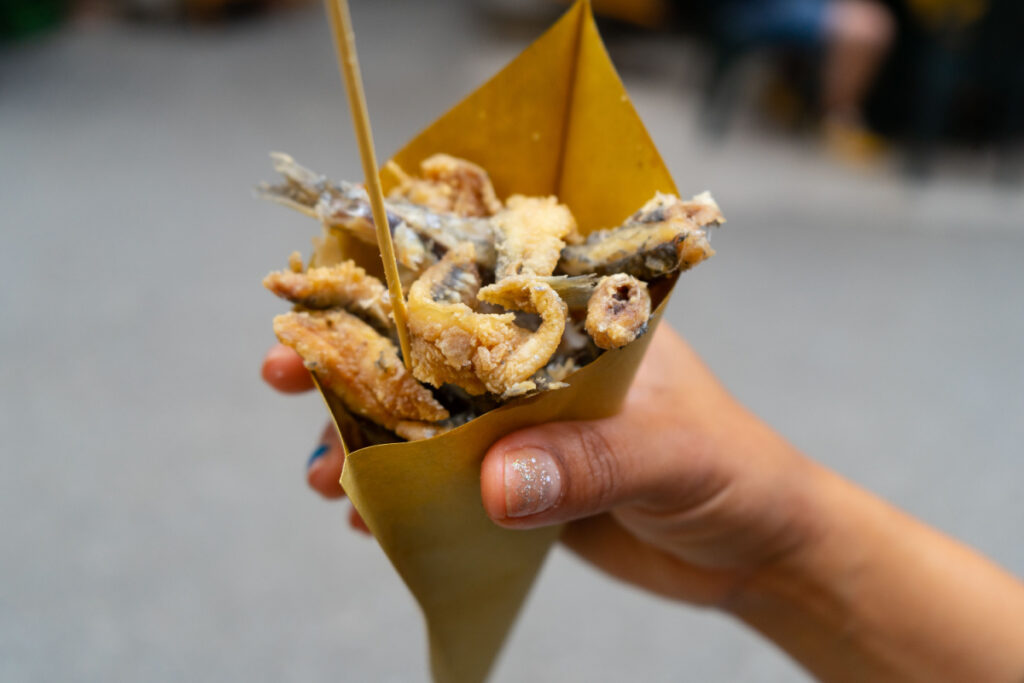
(343, 285)
(363, 368)
(448, 185)
(480, 352)
(530, 234)
(665, 235)
(420, 235)
(618, 311)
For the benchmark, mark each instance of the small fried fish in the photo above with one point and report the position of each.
(363, 368)
(665, 235)
(420, 235)
(448, 185)
(343, 285)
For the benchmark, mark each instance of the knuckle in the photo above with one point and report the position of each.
(598, 465)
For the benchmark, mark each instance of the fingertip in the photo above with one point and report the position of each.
(492, 484)
(323, 473)
(356, 521)
(283, 369)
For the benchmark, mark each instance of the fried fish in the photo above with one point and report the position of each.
(362, 367)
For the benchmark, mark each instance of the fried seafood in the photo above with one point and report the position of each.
(344, 285)
(665, 235)
(480, 352)
(363, 368)
(618, 311)
(575, 290)
(448, 185)
(530, 234)
(503, 300)
(420, 235)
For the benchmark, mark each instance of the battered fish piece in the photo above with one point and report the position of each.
(363, 368)
(480, 352)
(448, 185)
(665, 235)
(530, 234)
(618, 311)
(420, 235)
(344, 285)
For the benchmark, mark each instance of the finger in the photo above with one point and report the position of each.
(283, 370)
(559, 472)
(323, 471)
(355, 521)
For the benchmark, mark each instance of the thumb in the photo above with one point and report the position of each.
(563, 471)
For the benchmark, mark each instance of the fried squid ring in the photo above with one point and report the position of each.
(480, 352)
(618, 311)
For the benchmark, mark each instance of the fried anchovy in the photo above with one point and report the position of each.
(343, 285)
(421, 236)
(665, 235)
(361, 367)
(449, 185)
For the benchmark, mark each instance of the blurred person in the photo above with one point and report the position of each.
(853, 37)
(686, 494)
(964, 51)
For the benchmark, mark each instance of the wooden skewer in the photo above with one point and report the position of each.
(345, 44)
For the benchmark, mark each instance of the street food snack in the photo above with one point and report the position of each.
(494, 287)
(555, 122)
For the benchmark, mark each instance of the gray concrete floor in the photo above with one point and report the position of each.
(156, 522)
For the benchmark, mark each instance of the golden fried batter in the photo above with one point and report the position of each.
(665, 235)
(344, 285)
(449, 185)
(618, 311)
(418, 232)
(452, 343)
(479, 345)
(530, 234)
(361, 367)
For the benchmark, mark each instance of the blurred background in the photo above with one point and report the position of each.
(866, 300)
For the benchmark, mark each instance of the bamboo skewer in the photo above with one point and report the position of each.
(345, 44)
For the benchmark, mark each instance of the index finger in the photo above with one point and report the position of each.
(283, 370)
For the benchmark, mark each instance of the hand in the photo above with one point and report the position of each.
(684, 492)
(283, 370)
(687, 494)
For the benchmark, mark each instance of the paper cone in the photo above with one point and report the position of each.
(556, 120)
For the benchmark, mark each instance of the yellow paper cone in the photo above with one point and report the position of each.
(556, 120)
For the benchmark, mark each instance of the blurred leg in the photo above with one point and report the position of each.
(858, 36)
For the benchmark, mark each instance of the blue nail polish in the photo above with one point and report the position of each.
(316, 455)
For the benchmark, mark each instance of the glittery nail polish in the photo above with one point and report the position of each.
(533, 482)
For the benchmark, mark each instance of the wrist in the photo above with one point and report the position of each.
(804, 598)
(873, 594)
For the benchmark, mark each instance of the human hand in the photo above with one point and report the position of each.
(283, 370)
(684, 492)
(687, 494)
